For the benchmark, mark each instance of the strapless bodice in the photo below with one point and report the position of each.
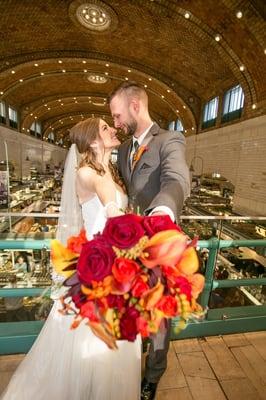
(94, 215)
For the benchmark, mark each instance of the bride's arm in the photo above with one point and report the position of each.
(90, 183)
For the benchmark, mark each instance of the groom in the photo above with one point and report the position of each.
(152, 164)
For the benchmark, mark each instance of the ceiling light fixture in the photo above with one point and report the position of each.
(60, 61)
(97, 79)
(187, 15)
(239, 14)
(254, 106)
(36, 65)
(242, 68)
(217, 38)
(95, 15)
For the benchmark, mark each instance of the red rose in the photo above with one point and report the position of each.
(168, 305)
(158, 223)
(115, 301)
(95, 261)
(79, 299)
(139, 287)
(124, 231)
(128, 324)
(125, 270)
(184, 285)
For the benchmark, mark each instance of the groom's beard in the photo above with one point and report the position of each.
(131, 127)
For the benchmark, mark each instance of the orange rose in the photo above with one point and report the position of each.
(139, 286)
(164, 248)
(74, 243)
(142, 326)
(125, 270)
(168, 305)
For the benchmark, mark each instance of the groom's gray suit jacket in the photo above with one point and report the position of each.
(161, 176)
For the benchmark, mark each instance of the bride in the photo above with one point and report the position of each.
(66, 364)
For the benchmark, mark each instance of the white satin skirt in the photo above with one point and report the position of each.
(66, 364)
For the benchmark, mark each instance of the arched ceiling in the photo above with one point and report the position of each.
(183, 52)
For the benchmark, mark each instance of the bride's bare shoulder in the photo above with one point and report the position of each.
(86, 172)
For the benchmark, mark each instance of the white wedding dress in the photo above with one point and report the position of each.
(66, 364)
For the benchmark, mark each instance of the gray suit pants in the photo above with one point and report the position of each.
(156, 361)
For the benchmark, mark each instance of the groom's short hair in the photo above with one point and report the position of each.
(131, 89)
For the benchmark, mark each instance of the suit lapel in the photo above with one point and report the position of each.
(125, 159)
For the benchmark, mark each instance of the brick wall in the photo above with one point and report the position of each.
(237, 152)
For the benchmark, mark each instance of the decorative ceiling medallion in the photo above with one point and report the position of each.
(97, 79)
(94, 16)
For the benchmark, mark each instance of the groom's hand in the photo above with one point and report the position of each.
(158, 213)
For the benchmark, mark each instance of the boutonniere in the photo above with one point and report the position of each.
(138, 155)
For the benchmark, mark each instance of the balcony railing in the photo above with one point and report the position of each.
(16, 337)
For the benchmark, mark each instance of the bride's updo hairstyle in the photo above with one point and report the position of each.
(83, 135)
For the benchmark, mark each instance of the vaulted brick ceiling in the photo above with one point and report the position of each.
(47, 56)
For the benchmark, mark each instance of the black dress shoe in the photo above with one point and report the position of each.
(148, 390)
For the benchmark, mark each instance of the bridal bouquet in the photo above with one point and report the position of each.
(128, 279)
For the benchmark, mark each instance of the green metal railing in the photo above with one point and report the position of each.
(18, 337)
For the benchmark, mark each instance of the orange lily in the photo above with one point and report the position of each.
(164, 248)
(197, 284)
(152, 296)
(99, 289)
(62, 258)
(103, 332)
(188, 263)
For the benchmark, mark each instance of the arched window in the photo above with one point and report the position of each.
(2, 112)
(210, 113)
(176, 126)
(36, 129)
(50, 137)
(233, 103)
(13, 117)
